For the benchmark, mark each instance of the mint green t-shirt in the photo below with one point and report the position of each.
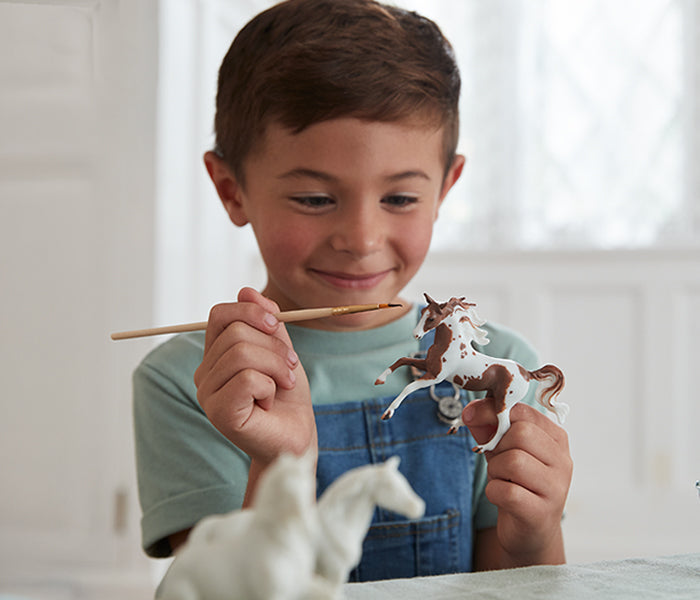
(188, 470)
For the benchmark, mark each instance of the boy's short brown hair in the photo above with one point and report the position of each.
(301, 62)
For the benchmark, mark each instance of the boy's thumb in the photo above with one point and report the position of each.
(481, 419)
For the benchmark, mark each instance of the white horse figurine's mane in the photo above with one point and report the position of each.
(452, 357)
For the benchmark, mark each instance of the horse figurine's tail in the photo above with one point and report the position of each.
(551, 384)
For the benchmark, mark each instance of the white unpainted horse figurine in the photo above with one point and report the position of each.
(267, 552)
(288, 546)
(345, 511)
(453, 358)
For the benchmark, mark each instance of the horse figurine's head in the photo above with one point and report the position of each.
(287, 486)
(454, 310)
(392, 491)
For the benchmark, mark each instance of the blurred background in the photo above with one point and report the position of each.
(577, 222)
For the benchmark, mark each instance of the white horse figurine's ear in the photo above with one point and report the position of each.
(393, 463)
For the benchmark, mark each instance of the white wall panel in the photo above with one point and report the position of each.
(684, 435)
(596, 344)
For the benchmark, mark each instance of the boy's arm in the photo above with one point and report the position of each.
(529, 474)
(489, 554)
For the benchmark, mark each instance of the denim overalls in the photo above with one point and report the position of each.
(438, 466)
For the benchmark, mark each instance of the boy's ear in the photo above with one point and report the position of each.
(227, 186)
(453, 175)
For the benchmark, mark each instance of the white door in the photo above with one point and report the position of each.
(77, 101)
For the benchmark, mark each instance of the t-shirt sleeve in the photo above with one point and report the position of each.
(186, 469)
(504, 343)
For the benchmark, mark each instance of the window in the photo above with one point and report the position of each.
(579, 120)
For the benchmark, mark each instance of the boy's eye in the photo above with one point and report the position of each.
(400, 200)
(313, 201)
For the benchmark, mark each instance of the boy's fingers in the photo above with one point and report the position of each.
(223, 315)
(247, 356)
(232, 406)
(520, 468)
(241, 346)
(248, 294)
(270, 307)
(524, 412)
(480, 417)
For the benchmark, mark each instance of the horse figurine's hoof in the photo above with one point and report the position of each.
(382, 378)
(453, 358)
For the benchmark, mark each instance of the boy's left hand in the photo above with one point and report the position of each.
(529, 473)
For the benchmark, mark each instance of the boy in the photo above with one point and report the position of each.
(336, 133)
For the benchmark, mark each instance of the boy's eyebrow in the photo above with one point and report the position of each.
(408, 175)
(311, 173)
(321, 176)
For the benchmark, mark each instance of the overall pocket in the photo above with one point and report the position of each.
(400, 549)
(438, 466)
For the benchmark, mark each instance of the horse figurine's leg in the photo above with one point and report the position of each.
(456, 424)
(406, 361)
(409, 389)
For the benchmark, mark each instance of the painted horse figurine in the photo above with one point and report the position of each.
(452, 358)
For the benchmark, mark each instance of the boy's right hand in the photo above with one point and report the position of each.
(251, 384)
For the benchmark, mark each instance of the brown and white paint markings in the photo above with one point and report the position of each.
(451, 357)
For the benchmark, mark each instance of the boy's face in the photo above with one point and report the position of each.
(343, 212)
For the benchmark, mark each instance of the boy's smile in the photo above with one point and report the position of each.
(343, 212)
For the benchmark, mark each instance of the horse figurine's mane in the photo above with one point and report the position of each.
(442, 310)
(451, 357)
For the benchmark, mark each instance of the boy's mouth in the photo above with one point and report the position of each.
(352, 281)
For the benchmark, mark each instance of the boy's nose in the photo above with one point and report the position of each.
(360, 233)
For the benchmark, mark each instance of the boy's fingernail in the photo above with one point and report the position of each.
(292, 377)
(270, 320)
(293, 358)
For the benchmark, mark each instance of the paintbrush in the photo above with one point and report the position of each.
(304, 314)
